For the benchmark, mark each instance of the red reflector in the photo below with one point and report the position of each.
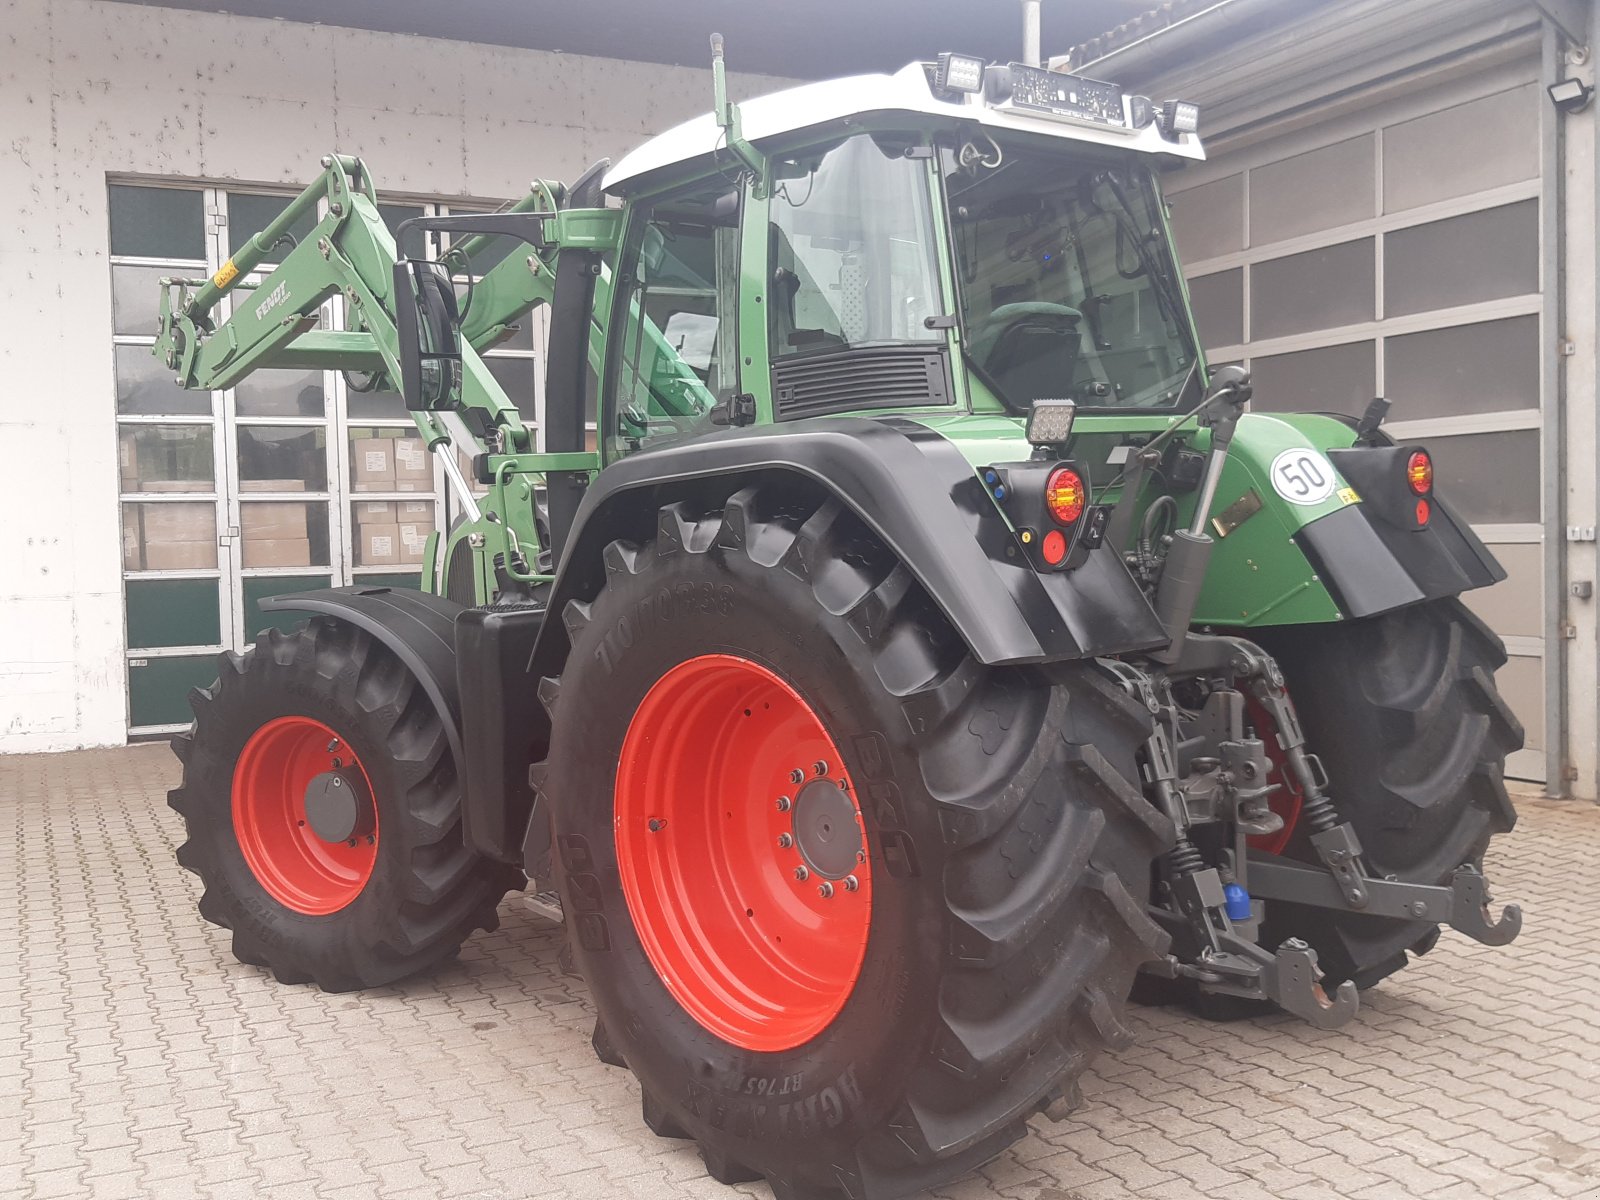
(1424, 511)
(1064, 495)
(1419, 472)
(1054, 547)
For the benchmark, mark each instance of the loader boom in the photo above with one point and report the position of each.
(272, 324)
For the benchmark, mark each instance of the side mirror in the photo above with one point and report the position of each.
(428, 325)
(1232, 382)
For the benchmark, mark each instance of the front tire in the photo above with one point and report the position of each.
(398, 891)
(1403, 712)
(984, 955)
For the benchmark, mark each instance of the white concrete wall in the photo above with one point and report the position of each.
(89, 89)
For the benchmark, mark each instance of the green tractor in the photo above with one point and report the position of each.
(931, 643)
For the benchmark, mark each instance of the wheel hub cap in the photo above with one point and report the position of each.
(304, 816)
(337, 806)
(827, 829)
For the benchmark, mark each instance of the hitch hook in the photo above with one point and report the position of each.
(1470, 910)
(1295, 988)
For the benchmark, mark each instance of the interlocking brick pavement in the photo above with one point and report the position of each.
(138, 1059)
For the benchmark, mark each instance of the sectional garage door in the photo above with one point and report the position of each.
(1395, 251)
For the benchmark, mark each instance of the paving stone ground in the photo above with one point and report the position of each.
(138, 1059)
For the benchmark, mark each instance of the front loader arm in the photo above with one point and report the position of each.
(349, 251)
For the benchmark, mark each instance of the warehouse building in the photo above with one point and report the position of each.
(1394, 205)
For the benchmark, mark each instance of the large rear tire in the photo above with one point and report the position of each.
(907, 1025)
(1403, 711)
(396, 895)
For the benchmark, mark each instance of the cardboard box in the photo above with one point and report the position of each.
(373, 512)
(170, 485)
(413, 541)
(180, 556)
(413, 466)
(377, 545)
(372, 464)
(132, 547)
(128, 461)
(272, 485)
(276, 552)
(178, 523)
(413, 512)
(273, 521)
(154, 459)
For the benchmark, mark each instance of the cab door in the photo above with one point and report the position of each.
(672, 366)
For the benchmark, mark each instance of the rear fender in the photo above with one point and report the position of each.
(917, 493)
(1341, 549)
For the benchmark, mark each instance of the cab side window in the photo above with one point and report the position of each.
(674, 355)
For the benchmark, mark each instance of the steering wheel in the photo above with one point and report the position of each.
(1009, 325)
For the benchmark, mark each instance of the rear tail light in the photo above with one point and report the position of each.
(1054, 547)
(1064, 499)
(1424, 511)
(1050, 509)
(1419, 474)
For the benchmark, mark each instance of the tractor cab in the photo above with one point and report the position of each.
(946, 238)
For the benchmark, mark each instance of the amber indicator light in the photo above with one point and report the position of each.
(1419, 473)
(1064, 495)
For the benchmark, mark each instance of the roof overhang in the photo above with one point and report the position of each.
(906, 92)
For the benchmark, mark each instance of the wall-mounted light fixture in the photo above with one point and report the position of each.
(1570, 95)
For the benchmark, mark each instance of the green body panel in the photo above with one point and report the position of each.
(1258, 575)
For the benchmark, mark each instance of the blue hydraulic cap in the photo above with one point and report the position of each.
(1236, 902)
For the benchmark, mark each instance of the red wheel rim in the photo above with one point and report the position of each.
(743, 864)
(297, 867)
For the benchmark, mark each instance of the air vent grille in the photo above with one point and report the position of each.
(813, 385)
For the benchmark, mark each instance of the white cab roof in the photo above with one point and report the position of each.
(907, 91)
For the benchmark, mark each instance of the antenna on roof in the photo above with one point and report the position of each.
(726, 112)
(1030, 33)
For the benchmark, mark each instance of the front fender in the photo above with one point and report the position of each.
(916, 491)
(418, 627)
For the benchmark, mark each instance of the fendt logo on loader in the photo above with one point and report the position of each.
(277, 296)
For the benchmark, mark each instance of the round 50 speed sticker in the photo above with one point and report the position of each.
(1303, 476)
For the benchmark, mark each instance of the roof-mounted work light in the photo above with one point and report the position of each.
(1179, 116)
(1570, 95)
(959, 73)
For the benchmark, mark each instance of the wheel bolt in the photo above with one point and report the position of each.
(785, 841)
(784, 804)
(820, 767)
(851, 883)
(861, 856)
(797, 776)
(657, 824)
(825, 890)
(801, 874)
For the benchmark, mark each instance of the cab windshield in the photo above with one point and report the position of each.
(1067, 288)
